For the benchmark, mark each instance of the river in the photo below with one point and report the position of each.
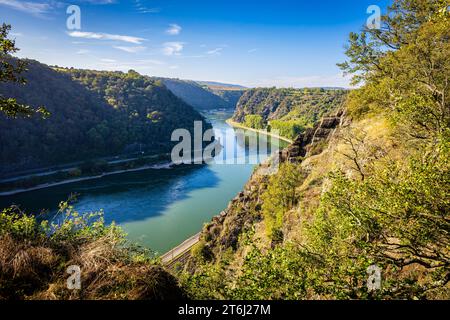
(157, 208)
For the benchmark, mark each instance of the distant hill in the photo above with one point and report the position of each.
(93, 114)
(231, 93)
(288, 104)
(212, 84)
(201, 96)
(288, 110)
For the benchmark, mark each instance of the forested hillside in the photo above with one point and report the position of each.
(288, 110)
(371, 202)
(201, 96)
(92, 114)
(230, 95)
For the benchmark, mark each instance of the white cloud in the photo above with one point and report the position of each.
(99, 1)
(130, 49)
(173, 30)
(141, 7)
(105, 36)
(216, 51)
(83, 51)
(173, 67)
(34, 8)
(173, 48)
(252, 50)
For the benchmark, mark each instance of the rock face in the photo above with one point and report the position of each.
(308, 105)
(223, 232)
(310, 138)
(242, 212)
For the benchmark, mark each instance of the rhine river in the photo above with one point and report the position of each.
(157, 208)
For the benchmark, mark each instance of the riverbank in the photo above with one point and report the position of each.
(105, 174)
(235, 124)
(178, 253)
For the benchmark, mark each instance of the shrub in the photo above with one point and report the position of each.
(34, 257)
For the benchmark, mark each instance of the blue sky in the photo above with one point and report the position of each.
(254, 43)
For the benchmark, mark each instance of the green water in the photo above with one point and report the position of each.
(158, 208)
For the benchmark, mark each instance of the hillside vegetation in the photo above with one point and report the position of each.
(35, 258)
(201, 96)
(365, 188)
(375, 196)
(288, 110)
(92, 114)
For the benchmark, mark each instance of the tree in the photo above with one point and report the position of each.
(10, 71)
(405, 67)
(280, 197)
(254, 121)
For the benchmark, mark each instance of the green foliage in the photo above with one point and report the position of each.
(279, 274)
(35, 256)
(288, 110)
(405, 66)
(288, 128)
(254, 121)
(74, 227)
(198, 96)
(10, 71)
(231, 96)
(207, 283)
(397, 217)
(94, 115)
(396, 214)
(280, 197)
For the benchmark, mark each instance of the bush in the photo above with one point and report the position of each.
(288, 128)
(254, 121)
(34, 257)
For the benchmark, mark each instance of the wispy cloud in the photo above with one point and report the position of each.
(173, 30)
(214, 52)
(99, 1)
(252, 50)
(141, 7)
(173, 48)
(131, 49)
(105, 36)
(34, 8)
(83, 51)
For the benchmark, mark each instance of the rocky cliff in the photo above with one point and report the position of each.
(244, 211)
(288, 104)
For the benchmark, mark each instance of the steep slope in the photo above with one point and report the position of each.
(290, 111)
(198, 96)
(286, 104)
(230, 95)
(93, 114)
(219, 85)
(301, 233)
(359, 207)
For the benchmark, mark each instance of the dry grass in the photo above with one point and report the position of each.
(34, 267)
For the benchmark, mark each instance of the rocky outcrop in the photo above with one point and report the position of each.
(312, 137)
(307, 105)
(241, 214)
(223, 232)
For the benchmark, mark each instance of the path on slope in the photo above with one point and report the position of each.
(180, 251)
